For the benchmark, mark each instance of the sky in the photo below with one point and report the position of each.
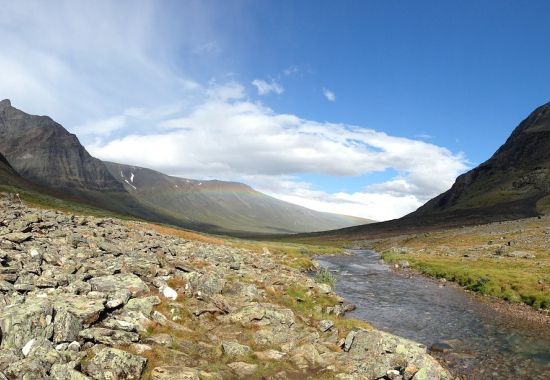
(366, 108)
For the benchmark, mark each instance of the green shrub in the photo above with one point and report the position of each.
(324, 276)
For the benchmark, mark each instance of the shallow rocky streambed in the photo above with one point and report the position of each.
(470, 336)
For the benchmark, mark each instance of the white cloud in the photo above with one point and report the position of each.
(331, 96)
(229, 137)
(292, 70)
(264, 88)
(119, 76)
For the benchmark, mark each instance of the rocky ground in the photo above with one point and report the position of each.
(92, 298)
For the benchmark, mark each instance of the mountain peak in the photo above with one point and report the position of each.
(5, 104)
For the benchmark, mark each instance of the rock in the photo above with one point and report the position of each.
(66, 372)
(28, 369)
(160, 339)
(169, 293)
(270, 355)
(118, 282)
(27, 347)
(234, 349)
(404, 264)
(112, 363)
(349, 340)
(209, 283)
(382, 352)
(108, 336)
(263, 314)
(306, 356)
(324, 288)
(521, 254)
(86, 308)
(21, 323)
(144, 305)
(17, 237)
(118, 298)
(243, 370)
(325, 325)
(441, 347)
(174, 373)
(66, 327)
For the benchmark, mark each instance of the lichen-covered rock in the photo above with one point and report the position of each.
(66, 372)
(234, 349)
(381, 352)
(243, 370)
(108, 336)
(66, 327)
(174, 373)
(86, 308)
(263, 314)
(118, 282)
(23, 322)
(114, 364)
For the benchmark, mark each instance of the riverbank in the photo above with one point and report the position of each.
(87, 297)
(463, 328)
(506, 260)
(517, 311)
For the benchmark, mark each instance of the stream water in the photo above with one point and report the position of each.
(485, 344)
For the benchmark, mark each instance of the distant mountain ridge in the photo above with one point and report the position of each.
(37, 152)
(231, 205)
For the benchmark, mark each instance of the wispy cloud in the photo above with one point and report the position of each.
(264, 87)
(331, 96)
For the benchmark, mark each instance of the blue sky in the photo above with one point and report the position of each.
(360, 107)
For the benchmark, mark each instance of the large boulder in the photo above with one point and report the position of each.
(113, 364)
(23, 322)
(379, 352)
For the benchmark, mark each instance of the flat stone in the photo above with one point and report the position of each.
(118, 282)
(174, 373)
(112, 363)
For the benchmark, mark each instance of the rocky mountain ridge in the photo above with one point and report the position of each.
(92, 298)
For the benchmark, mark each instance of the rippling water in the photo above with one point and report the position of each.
(486, 344)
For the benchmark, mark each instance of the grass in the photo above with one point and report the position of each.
(324, 276)
(476, 258)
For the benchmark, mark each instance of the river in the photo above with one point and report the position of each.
(485, 344)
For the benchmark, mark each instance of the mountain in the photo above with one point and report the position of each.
(42, 151)
(514, 183)
(39, 153)
(230, 206)
(8, 176)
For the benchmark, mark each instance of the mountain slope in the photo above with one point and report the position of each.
(8, 176)
(230, 206)
(42, 151)
(514, 183)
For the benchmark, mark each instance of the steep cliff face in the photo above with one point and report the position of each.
(515, 179)
(44, 152)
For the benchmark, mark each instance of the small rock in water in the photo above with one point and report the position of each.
(441, 347)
